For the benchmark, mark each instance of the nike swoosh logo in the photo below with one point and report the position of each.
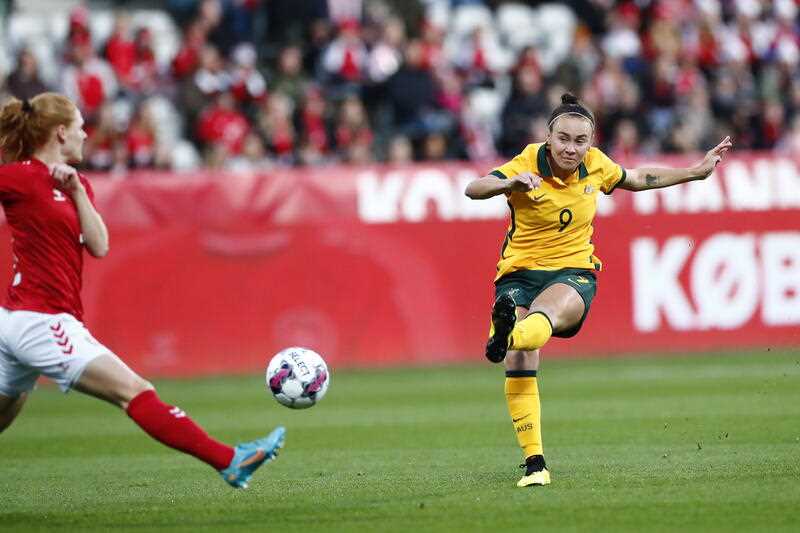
(515, 420)
(537, 198)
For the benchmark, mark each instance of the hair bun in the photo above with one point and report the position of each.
(569, 98)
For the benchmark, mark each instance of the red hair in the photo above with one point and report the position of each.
(26, 126)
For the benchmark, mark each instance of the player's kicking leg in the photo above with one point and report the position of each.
(108, 378)
(249, 456)
(503, 319)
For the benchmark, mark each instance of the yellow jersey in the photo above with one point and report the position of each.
(551, 227)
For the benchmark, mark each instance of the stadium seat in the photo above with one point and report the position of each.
(465, 19)
(517, 25)
(554, 49)
(101, 24)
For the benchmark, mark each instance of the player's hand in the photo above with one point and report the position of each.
(67, 178)
(713, 156)
(524, 182)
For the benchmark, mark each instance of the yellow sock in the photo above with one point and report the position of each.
(522, 397)
(532, 332)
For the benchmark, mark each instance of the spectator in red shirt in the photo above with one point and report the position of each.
(140, 140)
(247, 83)
(120, 50)
(210, 79)
(145, 78)
(345, 58)
(188, 57)
(78, 31)
(314, 120)
(277, 127)
(89, 80)
(221, 125)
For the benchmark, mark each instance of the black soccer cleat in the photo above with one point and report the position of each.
(504, 316)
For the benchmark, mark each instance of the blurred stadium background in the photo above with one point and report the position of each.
(260, 85)
(283, 172)
(291, 172)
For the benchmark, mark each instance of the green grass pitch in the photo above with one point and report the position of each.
(697, 443)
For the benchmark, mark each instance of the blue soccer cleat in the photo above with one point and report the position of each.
(249, 456)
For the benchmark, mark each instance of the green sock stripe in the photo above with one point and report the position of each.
(520, 373)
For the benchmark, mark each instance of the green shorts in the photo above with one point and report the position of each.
(526, 285)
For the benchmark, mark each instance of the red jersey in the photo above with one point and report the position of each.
(46, 240)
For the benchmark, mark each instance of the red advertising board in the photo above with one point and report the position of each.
(212, 273)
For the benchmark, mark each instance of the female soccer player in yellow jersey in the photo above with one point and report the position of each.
(545, 278)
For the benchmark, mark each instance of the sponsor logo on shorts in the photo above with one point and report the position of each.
(580, 279)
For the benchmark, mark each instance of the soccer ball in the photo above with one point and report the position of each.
(298, 377)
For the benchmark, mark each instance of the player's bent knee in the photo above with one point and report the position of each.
(133, 389)
(142, 386)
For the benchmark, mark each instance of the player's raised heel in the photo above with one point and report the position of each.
(249, 456)
(536, 472)
(504, 316)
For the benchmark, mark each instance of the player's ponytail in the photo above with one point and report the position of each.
(570, 105)
(26, 125)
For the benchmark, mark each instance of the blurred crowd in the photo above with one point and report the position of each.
(255, 84)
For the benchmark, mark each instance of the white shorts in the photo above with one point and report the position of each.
(31, 343)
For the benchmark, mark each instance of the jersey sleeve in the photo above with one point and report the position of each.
(12, 183)
(521, 163)
(613, 174)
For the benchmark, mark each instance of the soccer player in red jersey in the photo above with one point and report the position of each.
(50, 210)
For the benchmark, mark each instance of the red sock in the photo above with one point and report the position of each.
(171, 426)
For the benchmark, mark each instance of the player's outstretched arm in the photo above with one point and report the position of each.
(640, 179)
(489, 186)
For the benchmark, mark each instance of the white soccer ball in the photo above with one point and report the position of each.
(298, 377)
